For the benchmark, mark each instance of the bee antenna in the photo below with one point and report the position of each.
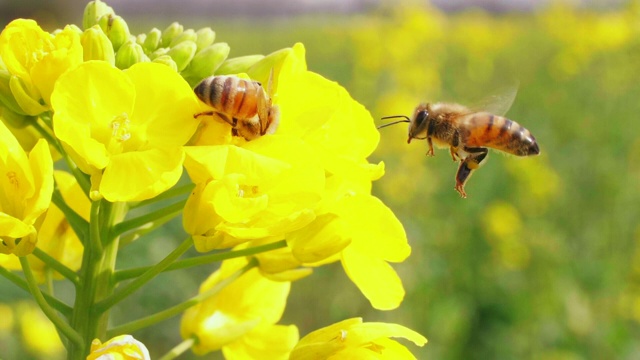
(403, 117)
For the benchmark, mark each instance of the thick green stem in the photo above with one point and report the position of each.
(122, 275)
(128, 328)
(50, 312)
(96, 283)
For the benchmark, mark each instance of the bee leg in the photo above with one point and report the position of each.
(208, 113)
(430, 152)
(454, 153)
(470, 163)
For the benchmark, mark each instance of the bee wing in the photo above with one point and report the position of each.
(498, 103)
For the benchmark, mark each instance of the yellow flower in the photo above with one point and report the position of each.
(38, 333)
(36, 59)
(56, 237)
(122, 347)
(238, 312)
(125, 128)
(266, 189)
(353, 339)
(25, 192)
(351, 225)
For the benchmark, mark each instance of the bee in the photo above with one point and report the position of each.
(243, 104)
(468, 133)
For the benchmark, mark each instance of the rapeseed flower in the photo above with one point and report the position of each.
(25, 193)
(56, 237)
(128, 136)
(241, 314)
(122, 347)
(36, 59)
(353, 339)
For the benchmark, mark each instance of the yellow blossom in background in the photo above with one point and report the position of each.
(56, 237)
(26, 186)
(128, 136)
(36, 59)
(236, 316)
(38, 333)
(122, 347)
(353, 339)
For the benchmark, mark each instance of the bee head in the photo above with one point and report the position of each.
(419, 123)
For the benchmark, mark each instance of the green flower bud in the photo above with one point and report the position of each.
(187, 35)
(272, 62)
(94, 11)
(159, 52)
(206, 62)
(167, 60)
(206, 37)
(183, 53)
(28, 104)
(238, 65)
(116, 29)
(96, 45)
(130, 53)
(171, 32)
(152, 41)
(6, 96)
(140, 39)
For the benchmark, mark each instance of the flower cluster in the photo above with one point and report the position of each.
(118, 113)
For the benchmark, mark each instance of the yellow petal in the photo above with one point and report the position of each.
(141, 175)
(376, 279)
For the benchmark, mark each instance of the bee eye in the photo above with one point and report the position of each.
(421, 116)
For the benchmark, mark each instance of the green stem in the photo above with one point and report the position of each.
(128, 328)
(171, 210)
(132, 236)
(95, 242)
(179, 349)
(54, 264)
(50, 312)
(173, 192)
(63, 308)
(80, 226)
(122, 275)
(47, 135)
(144, 278)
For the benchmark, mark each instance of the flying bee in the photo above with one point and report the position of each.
(468, 133)
(242, 103)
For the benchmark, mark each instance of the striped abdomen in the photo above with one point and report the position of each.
(486, 130)
(231, 95)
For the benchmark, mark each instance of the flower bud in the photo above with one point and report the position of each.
(167, 60)
(93, 11)
(116, 29)
(152, 40)
(139, 39)
(96, 45)
(28, 104)
(171, 32)
(7, 99)
(206, 61)
(129, 54)
(238, 65)
(187, 35)
(183, 53)
(205, 37)
(159, 52)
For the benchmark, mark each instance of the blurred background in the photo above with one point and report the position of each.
(541, 261)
